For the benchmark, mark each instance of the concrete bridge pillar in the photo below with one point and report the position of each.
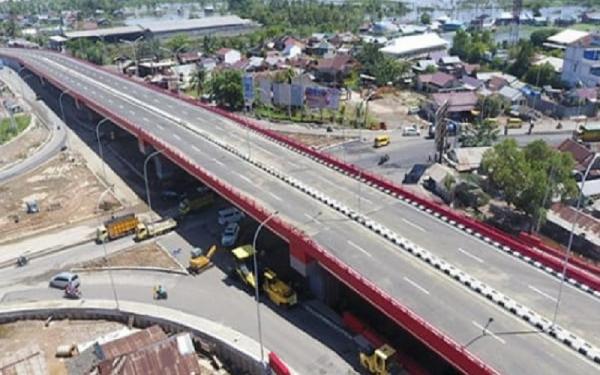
(323, 285)
(299, 259)
(142, 146)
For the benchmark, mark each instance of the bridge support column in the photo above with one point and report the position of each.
(77, 104)
(323, 285)
(299, 259)
(142, 146)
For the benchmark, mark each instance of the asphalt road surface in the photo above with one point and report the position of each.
(447, 305)
(209, 295)
(58, 137)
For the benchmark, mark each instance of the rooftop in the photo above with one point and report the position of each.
(567, 36)
(439, 79)
(458, 101)
(104, 32)
(194, 23)
(408, 45)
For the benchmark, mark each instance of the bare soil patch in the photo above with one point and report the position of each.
(24, 146)
(65, 190)
(144, 255)
(31, 333)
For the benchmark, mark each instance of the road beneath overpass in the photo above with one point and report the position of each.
(447, 305)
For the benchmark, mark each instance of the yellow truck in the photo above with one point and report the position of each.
(188, 205)
(148, 230)
(199, 261)
(381, 141)
(379, 361)
(116, 227)
(278, 291)
(243, 259)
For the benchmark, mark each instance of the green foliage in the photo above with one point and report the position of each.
(541, 75)
(425, 18)
(538, 37)
(430, 69)
(307, 16)
(479, 134)
(88, 50)
(491, 106)
(472, 46)
(178, 43)
(528, 178)
(226, 88)
(523, 54)
(198, 80)
(385, 69)
(8, 132)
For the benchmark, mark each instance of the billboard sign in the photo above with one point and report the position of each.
(297, 95)
(248, 88)
(322, 97)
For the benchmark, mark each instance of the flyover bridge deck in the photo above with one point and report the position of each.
(444, 303)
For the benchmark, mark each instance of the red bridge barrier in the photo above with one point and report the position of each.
(443, 345)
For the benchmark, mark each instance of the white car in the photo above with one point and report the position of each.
(412, 130)
(61, 280)
(230, 234)
(230, 215)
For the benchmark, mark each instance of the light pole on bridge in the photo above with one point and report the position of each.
(260, 340)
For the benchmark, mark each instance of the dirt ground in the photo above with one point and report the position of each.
(18, 335)
(392, 108)
(144, 255)
(315, 140)
(23, 146)
(65, 190)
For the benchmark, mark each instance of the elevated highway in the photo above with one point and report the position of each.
(368, 243)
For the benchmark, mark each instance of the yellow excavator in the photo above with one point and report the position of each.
(379, 361)
(199, 261)
(277, 290)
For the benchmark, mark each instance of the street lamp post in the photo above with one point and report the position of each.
(102, 121)
(260, 340)
(133, 45)
(112, 281)
(148, 200)
(62, 109)
(570, 243)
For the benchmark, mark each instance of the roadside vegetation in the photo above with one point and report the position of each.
(8, 130)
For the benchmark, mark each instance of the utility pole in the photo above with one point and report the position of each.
(441, 130)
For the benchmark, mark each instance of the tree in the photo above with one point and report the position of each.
(384, 68)
(178, 42)
(541, 75)
(425, 18)
(461, 43)
(528, 178)
(479, 134)
(523, 57)
(197, 81)
(538, 37)
(226, 88)
(490, 106)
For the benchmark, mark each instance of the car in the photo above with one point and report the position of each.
(412, 130)
(230, 215)
(61, 280)
(230, 234)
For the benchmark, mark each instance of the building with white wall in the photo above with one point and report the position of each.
(582, 62)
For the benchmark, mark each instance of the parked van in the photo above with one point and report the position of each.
(230, 215)
(381, 140)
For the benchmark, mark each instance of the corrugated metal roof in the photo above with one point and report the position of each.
(567, 36)
(104, 32)
(132, 342)
(409, 45)
(195, 23)
(169, 356)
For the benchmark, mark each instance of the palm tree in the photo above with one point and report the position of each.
(197, 81)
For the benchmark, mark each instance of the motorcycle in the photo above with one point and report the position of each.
(22, 261)
(160, 292)
(72, 293)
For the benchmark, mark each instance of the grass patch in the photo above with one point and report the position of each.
(8, 132)
(344, 116)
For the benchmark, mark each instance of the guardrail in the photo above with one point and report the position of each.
(577, 269)
(239, 350)
(443, 345)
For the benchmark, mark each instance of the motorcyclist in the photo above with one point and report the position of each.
(72, 289)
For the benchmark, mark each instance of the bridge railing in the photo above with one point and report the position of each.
(440, 343)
